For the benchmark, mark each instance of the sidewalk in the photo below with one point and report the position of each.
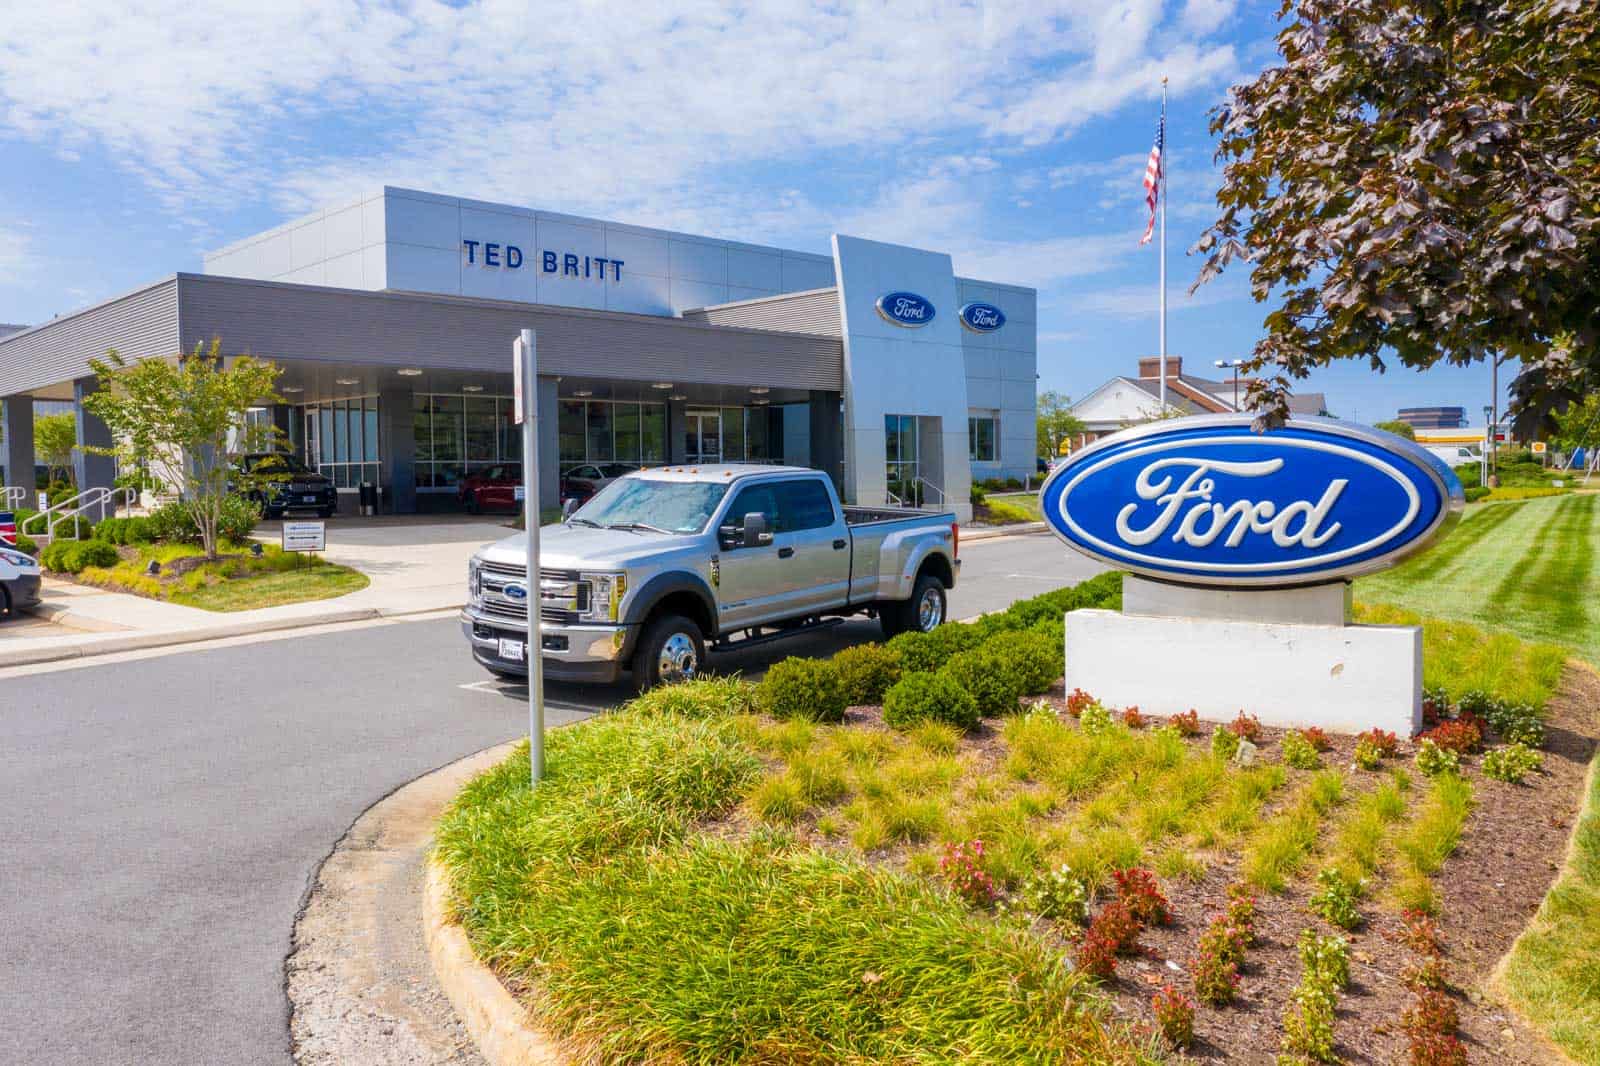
(414, 567)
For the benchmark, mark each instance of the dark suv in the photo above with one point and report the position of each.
(279, 482)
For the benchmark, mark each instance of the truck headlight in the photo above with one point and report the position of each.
(605, 596)
(474, 581)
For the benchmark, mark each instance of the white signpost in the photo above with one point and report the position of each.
(525, 370)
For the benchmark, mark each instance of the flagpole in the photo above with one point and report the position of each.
(1162, 178)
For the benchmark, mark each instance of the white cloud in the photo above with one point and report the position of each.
(13, 251)
(638, 111)
(1143, 301)
(1206, 16)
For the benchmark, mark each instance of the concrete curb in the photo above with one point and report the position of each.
(970, 534)
(497, 1022)
(168, 638)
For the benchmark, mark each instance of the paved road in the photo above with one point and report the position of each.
(163, 815)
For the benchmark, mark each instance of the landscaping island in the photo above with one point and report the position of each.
(926, 851)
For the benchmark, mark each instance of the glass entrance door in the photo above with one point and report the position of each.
(900, 452)
(702, 436)
(312, 455)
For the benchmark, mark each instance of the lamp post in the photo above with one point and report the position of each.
(1488, 439)
(1223, 364)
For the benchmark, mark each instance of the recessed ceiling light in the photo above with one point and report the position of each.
(409, 372)
(677, 396)
(760, 390)
(760, 403)
(584, 392)
(472, 388)
(347, 381)
(291, 388)
(661, 385)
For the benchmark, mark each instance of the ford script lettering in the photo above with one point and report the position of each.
(980, 317)
(905, 309)
(1206, 501)
(515, 592)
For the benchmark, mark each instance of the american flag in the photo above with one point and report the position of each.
(8, 529)
(1152, 176)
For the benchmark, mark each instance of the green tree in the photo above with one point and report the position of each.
(1417, 181)
(54, 437)
(1579, 425)
(178, 417)
(1056, 422)
(1398, 428)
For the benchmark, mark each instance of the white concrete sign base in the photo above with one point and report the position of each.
(1345, 679)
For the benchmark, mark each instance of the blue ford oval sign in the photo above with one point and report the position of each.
(905, 309)
(980, 317)
(1206, 501)
(515, 592)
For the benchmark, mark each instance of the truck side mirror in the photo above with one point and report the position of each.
(755, 530)
(568, 508)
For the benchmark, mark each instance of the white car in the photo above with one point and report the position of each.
(19, 581)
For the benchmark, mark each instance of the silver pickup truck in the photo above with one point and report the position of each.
(664, 565)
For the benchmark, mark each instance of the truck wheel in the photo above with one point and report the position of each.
(671, 649)
(925, 610)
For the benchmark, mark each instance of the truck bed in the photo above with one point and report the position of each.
(864, 516)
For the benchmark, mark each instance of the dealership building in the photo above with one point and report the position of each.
(393, 318)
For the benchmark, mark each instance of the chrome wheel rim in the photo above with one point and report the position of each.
(930, 610)
(678, 659)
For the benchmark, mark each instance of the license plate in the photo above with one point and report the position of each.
(511, 650)
(310, 499)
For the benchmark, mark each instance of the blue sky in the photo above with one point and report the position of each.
(1012, 135)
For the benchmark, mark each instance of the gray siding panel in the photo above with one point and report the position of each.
(279, 321)
(805, 312)
(138, 325)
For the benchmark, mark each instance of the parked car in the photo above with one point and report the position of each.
(1454, 455)
(664, 565)
(19, 582)
(494, 489)
(583, 481)
(279, 482)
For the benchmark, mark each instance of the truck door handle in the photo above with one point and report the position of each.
(839, 544)
(784, 553)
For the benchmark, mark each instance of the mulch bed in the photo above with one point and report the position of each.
(1512, 847)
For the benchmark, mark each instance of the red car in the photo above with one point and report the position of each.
(494, 489)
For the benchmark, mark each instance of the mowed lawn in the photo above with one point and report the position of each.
(1523, 567)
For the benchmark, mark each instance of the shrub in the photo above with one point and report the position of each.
(703, 697)
(1241, 913)
(929, 698)
(866, 672)
(1096, 957)
(802, 688)
(1227, 939)
(74, 556)
(1433, 760)
(1216, 973)
(962, 867)
(1325, 958)
(1335, 899)
(1460, 735)
(1419, 932)
(979, 671)
(1386, 743)
(1133, 718)
(1427, 974)
(237, 518)
(171, 523)
(1317, 737)
(925, 652)
(1077, 700)
(1368, 756)
(1299, 752)
(1246, 727)
(1224, 742)
(1117, 925)
(1439, 1049)
(1308, 1023)
(1031, 657)
(1138, 890)
(1515, 722)
(1187, 724)
(1512, 763)
(1095, 719)
(1433, 1012)
(1058, 894)
(1174, 1016)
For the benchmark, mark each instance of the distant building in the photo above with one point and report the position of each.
(1433, 417)
(1129, 401)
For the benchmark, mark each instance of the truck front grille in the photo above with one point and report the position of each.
(562, 595)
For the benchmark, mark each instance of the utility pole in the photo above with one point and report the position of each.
(1162, 178)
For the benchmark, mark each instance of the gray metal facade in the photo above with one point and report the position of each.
(46, 359)
(816, 311)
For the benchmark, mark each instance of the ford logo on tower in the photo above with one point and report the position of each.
(905, 309)
(980, 317)
(1206, 501)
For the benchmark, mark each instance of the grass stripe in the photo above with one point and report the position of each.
(1514, 583)
(1568, 567)
(1466, 537)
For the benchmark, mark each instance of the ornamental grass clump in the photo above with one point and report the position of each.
(808, 689)
(866, 671)
(1512, 763)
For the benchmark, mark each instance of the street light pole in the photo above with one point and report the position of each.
(1222, 364)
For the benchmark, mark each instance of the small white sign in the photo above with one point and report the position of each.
(1539, 447)
(511, 650)
(305, 536)
(517, 358)
(522, 493)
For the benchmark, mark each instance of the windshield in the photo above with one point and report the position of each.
(274, 464)
(674, 506)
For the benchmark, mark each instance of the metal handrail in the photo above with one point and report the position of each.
(14, 496)
(891, 500)
(94, 499)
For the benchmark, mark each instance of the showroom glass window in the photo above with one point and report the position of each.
(458, 434)
(339, 438)
(607, 431)
(981, 433)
